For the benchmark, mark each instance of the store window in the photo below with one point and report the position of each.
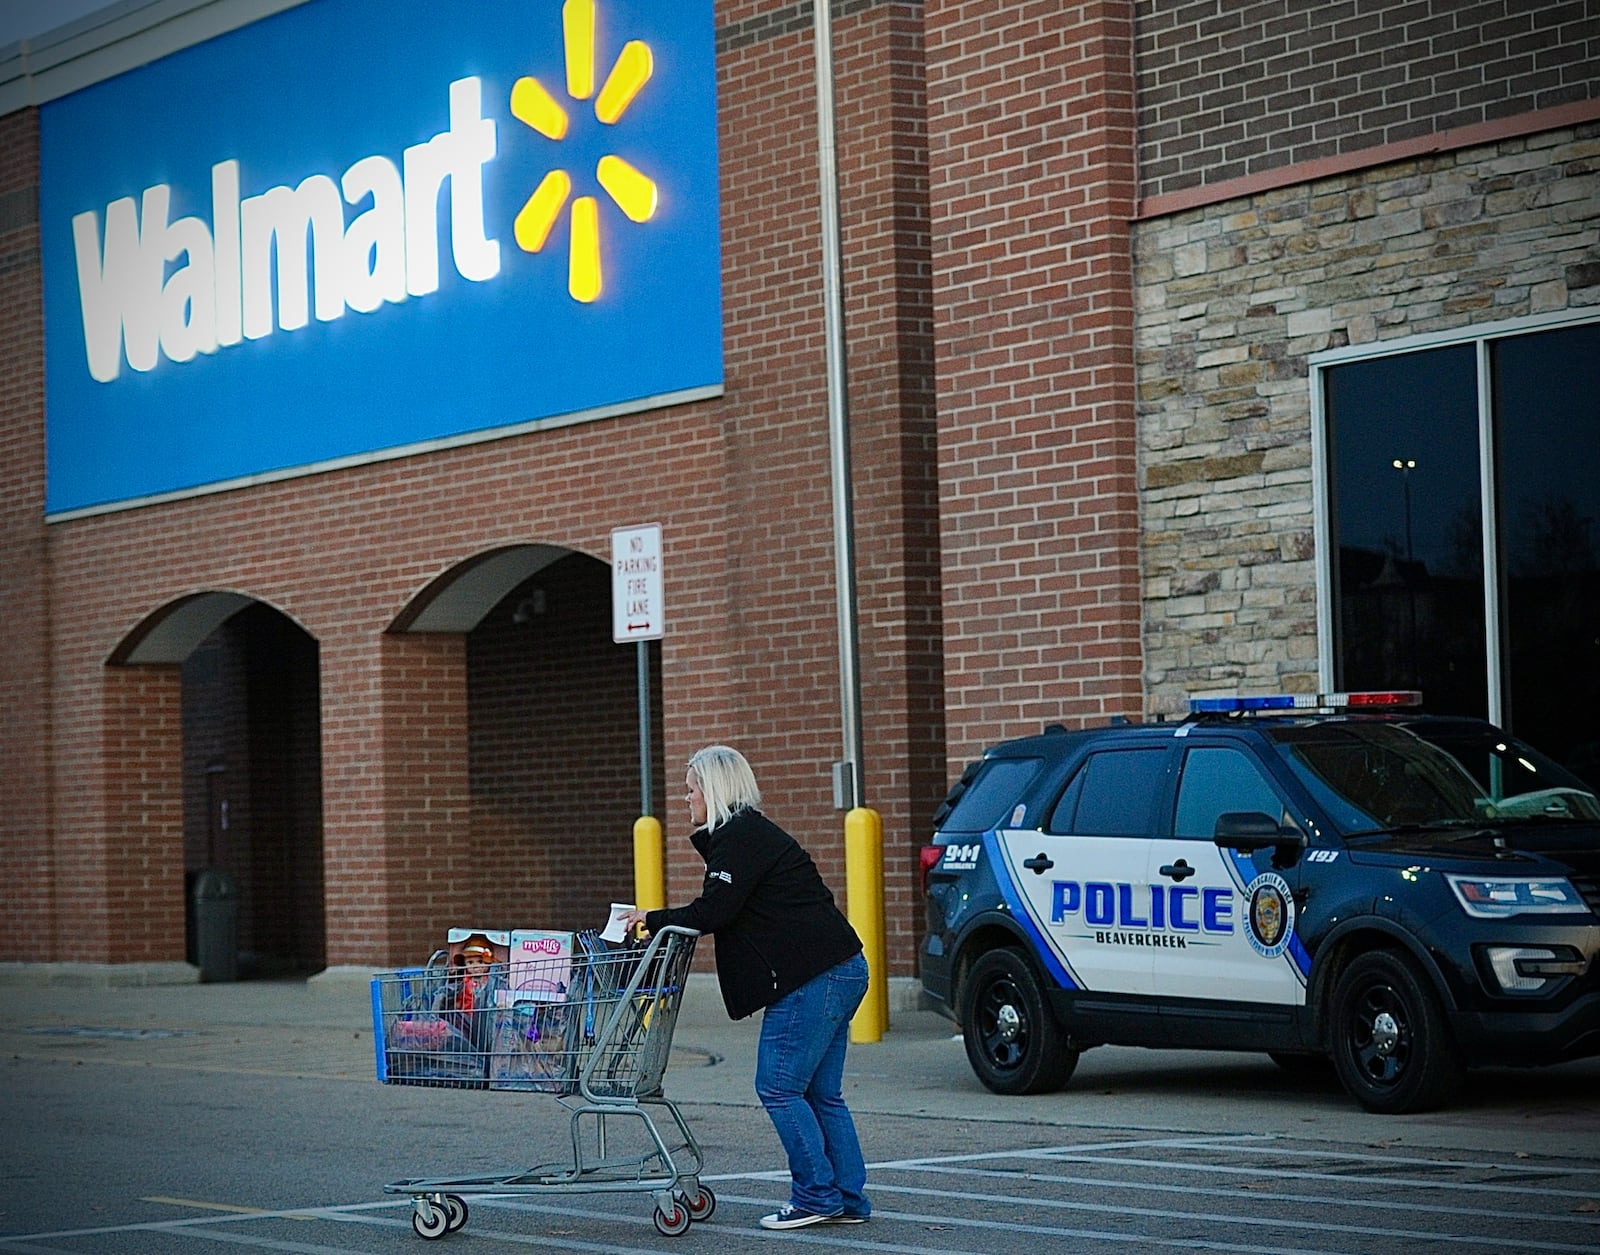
(1500, 622)
(1546, 391)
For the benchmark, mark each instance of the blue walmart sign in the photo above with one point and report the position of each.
(371, 225)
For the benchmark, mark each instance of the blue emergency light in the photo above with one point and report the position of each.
(1379, 700)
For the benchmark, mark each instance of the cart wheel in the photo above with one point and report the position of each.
(455, 1208)
(701, 1203)
(671, 1223)
(429, 1221)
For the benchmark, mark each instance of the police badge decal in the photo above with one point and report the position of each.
(1269, 918)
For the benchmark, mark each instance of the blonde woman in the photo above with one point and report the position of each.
(783, 948)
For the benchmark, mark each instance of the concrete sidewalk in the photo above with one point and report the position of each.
(322, 1029)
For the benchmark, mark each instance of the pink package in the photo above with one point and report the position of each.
(541, 966)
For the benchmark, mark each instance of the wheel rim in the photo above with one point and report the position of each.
(432, 1224)
(671, 1223)
(1380, 1035)
(701, 1204)
(1002, 1025)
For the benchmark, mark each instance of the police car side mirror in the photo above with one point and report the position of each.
(1250, 831)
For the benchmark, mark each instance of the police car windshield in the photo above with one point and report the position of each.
(1517, 780)
(1379, 777)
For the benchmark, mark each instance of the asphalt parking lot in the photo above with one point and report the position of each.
(173, 1119)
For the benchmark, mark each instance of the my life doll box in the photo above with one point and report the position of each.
(541, 966)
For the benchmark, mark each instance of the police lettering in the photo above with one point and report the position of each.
(1156, 908)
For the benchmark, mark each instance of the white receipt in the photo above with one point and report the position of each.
(616, 926)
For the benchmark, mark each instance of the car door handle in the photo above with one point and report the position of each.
(1039, 864)
(1179, 870)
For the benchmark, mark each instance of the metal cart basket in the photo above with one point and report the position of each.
(593, 1028)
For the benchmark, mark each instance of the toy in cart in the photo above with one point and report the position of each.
(600, 1046)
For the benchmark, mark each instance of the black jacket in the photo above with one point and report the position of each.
(774, 919)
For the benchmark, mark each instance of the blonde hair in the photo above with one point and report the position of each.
(726, 782)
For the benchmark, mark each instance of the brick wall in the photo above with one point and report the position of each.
(25, 733)
(554, 754)
(133, 911)
(779, 699)
(1229, 90)
(1232, 300)
(1032, 184)
(740, 486)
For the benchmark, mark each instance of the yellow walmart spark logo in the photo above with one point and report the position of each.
(632, 191)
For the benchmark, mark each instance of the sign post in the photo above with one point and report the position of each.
(638, 614)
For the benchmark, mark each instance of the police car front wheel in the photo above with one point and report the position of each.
(1013, 1041)
(1391, 1041)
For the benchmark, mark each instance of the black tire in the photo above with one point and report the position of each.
(435, 1226)
(1391, 1043)
(455, 1208)
(1013, 1041)
(701, 1204)
(670, 1224)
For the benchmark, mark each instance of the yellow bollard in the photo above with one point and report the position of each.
(649, 864)
(863, 878)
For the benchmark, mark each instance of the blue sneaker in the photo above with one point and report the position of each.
(848, 1217)
(791, 1217)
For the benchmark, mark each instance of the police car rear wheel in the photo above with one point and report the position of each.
(1391, 1043)
(1013, 1041)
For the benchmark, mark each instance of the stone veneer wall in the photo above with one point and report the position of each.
(1233, 298)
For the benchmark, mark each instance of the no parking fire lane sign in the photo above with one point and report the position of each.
(637, 606)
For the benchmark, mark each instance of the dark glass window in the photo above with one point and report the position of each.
(1547, 455)
(993, 793)
(1216, 781)
(1114, 794)
(1406, 520)
(1409, 572)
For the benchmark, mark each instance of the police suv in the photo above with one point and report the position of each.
(1327, 878)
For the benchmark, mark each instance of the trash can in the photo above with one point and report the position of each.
(216, 925)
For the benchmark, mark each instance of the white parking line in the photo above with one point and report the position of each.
(1407, 1183)
(1075, 1148)
(1107, 1154)
(1084, 1148)
(1231, 1219)
(947, 1183)
(858, 1238)
(1565, 1166)
(944, 1220)
(1320, 1200)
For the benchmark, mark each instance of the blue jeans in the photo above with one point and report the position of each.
(799, 1075)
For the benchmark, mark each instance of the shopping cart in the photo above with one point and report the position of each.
(596, 1035)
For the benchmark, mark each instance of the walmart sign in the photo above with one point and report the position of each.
(365, 227)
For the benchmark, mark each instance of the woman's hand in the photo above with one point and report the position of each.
(633, 923)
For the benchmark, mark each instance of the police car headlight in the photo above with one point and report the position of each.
(1523, 969)
(1501, 896)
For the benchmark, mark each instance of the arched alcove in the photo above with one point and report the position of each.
(553, 733)
(248, 768)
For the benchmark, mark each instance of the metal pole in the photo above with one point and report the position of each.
(644, 727)
(844, 558)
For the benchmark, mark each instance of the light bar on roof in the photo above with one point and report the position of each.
(1388, 699)
(1235, 705)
